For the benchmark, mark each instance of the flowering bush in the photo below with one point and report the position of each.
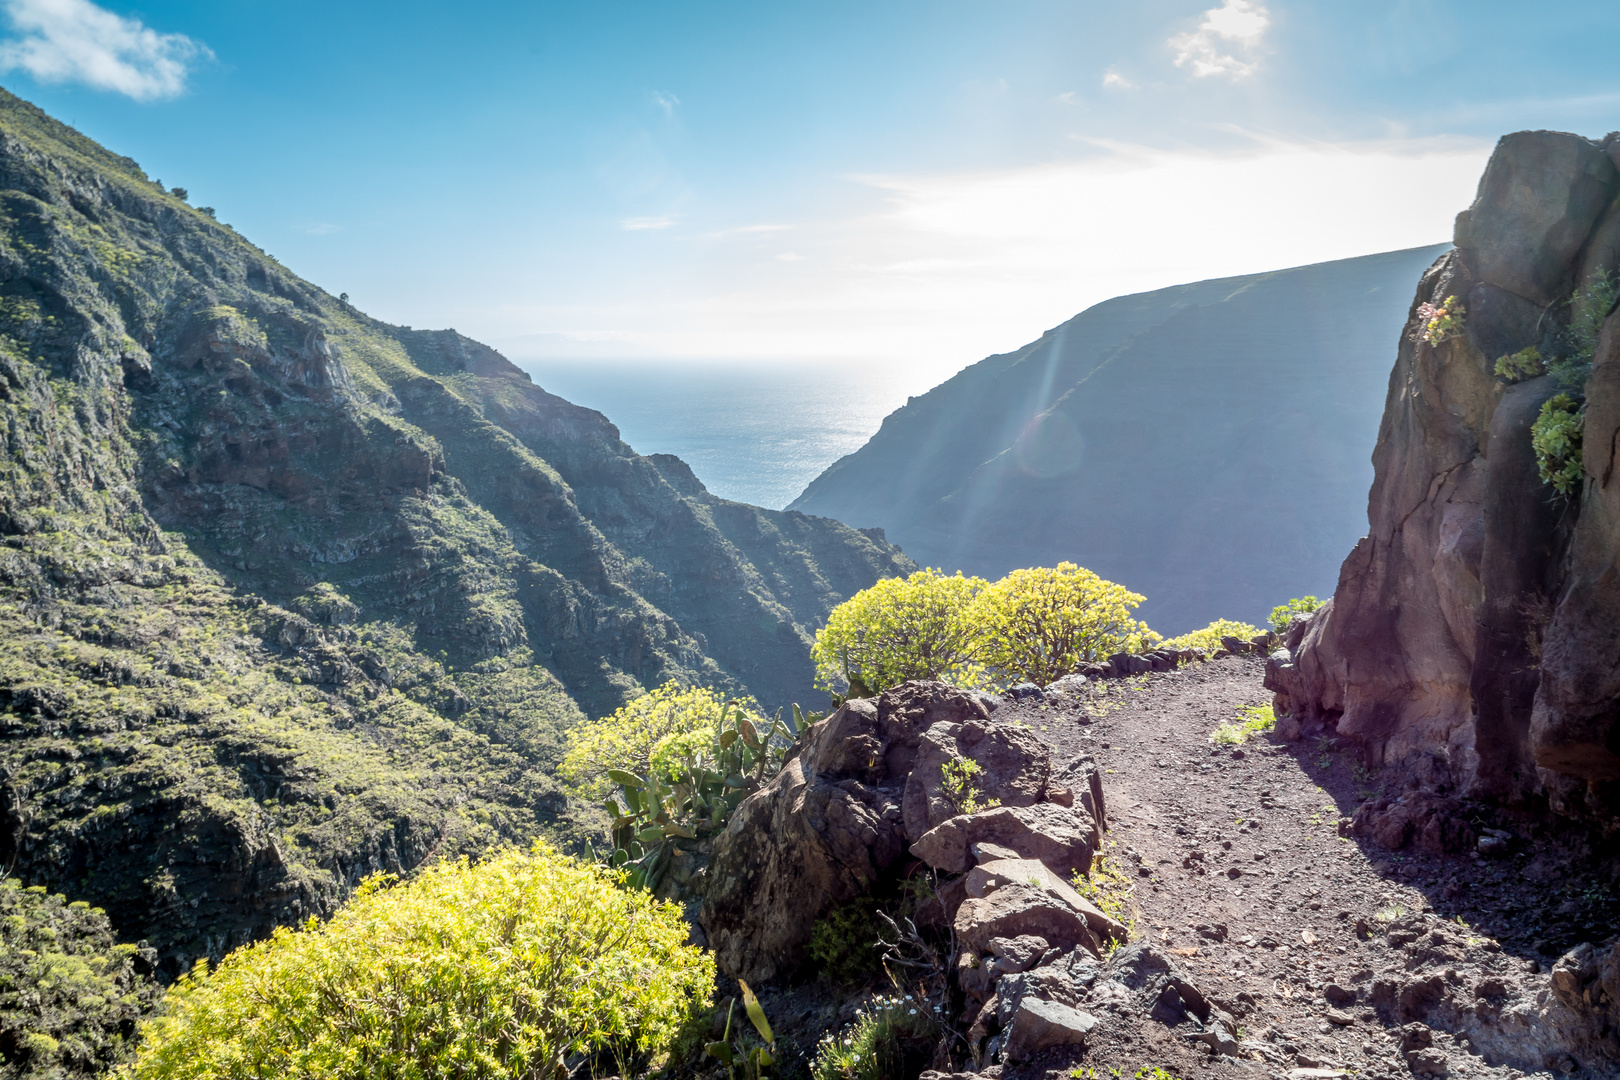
(1439, 323)
(1209, 638)
(506, 969)
(917, 627)
(1033, 625)
(893, 1036)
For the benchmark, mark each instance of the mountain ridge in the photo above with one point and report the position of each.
(996, 467)
(291, 596)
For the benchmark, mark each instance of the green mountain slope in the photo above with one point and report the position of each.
(1205, 445)
(288, 595)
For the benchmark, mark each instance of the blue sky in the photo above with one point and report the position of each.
(918, 182)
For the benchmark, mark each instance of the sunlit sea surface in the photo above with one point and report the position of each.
(753, 433)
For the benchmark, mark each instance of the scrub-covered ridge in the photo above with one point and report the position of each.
(289, 595)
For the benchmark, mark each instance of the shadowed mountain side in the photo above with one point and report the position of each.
(289, 596)
(1205, 445)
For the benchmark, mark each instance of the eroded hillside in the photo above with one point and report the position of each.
(288, 595)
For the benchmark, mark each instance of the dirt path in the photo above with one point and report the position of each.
(1245, 871)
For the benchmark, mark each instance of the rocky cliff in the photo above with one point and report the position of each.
(289, 595)
(1474, 638)
(1145, 439)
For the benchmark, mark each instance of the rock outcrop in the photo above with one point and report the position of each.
(865, 799)
(1474, 638)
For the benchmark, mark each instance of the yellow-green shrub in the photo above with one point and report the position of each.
(1044, 622)
(1209, 638)
(650, 735)
(501, 969)
(918, 627)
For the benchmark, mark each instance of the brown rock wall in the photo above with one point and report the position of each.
(1474, 637)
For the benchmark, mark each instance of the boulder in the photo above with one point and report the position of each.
(1060, 836)
(831, 824)
(1540, 197)
(789, 852)
(986, 878)
(1013, 769)
(1038, 1025)
(1015, 910)
(824, 830)
(1017, 954)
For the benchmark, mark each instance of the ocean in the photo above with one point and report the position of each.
(753, 433)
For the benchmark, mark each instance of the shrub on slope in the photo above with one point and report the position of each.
(509, 968)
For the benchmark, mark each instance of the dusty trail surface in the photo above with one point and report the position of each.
(1325, 949)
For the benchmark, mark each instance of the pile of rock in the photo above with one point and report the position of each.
(869, 799)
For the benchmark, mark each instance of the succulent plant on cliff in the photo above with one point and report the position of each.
(1284, 613)
(515, 967)
(1556, 433)
(1556, 437)
(1436, 323)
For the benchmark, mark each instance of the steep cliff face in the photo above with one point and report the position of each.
(1140, 439)
(1474, 638)
(288, 595)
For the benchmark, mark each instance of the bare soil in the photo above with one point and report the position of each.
(1331, 953)
(1248, 872)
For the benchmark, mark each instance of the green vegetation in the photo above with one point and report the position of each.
(1111, 887)
(961, 783)
(506, 968)
(894, 1035)
(1251, 720)
(844, 941)
(696, 775)
(1556, 437)
(742, 1052)
(1283, 614)
(70, 996)
(1033, 625)
(1044, 622)
(920, 627)
(1522, 365)
(1209, 638)
(650, 735)
(1442, 322)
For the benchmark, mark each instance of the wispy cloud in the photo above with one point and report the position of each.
(322, 228)
(939, 270)
(58, 41)
(637, 224)
(1237, 26)
(1113, 80)
(665, 101)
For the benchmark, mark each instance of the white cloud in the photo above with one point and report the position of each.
(1235, 25)
(665, 101)
(637, 224)
(939, 270)
(323, 228)
(790, 256)
(75, 41)
(1113, 80)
